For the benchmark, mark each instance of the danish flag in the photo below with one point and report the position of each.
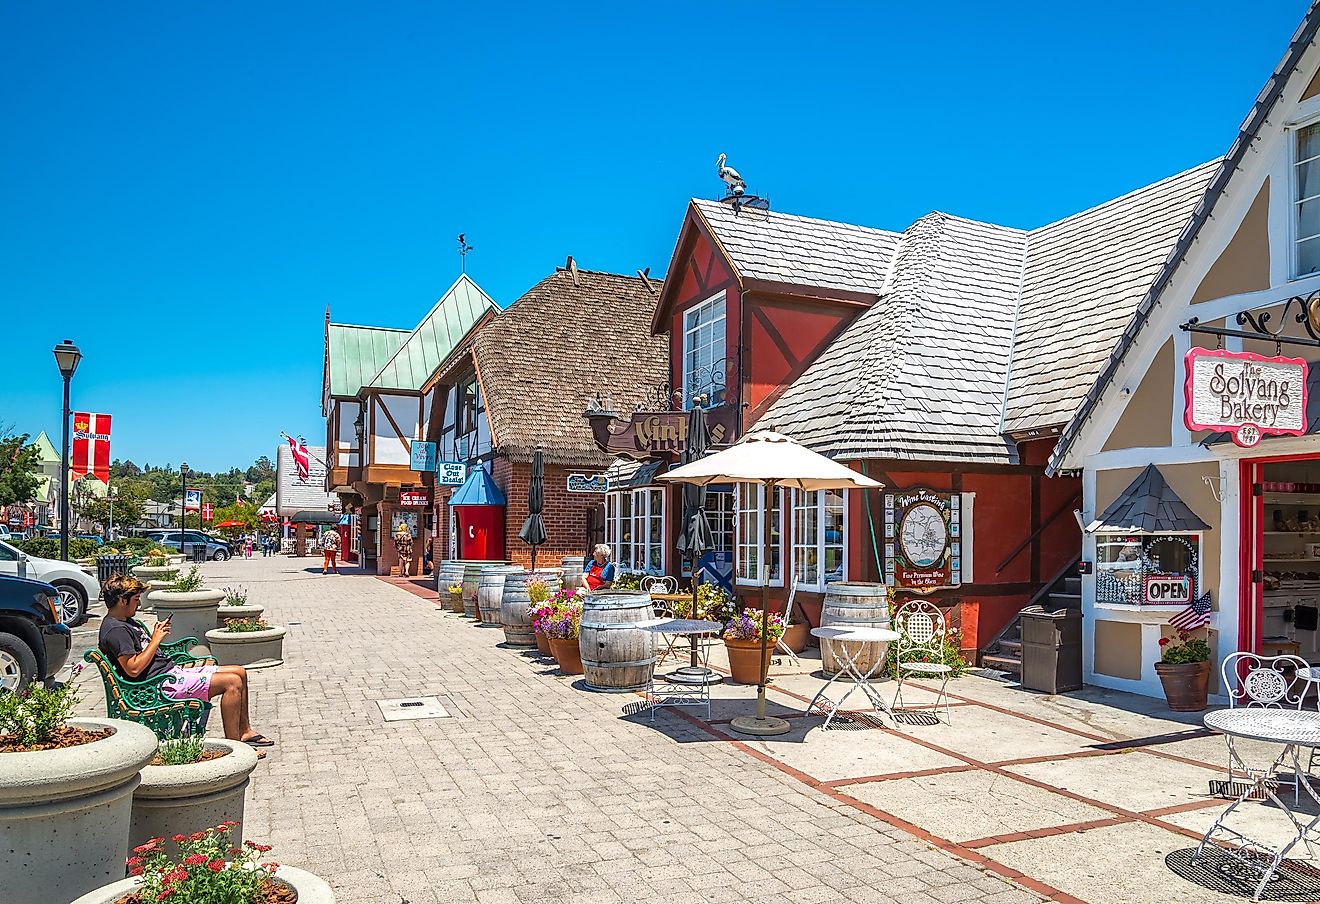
(301, 457)
(91, 446)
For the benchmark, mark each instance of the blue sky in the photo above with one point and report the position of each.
(188, 186)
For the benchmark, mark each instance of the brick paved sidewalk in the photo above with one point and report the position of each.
(534, 790)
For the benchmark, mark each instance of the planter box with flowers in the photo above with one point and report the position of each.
(192, 784)
(248, 642)
(66, 795)
(191, 606)
(236, 606)
(209, 867)
(742, 640)
(455, 601)
(560, 627)
(1184, 670)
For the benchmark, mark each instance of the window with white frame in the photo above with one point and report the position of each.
(703, 352)
(1306, 200)
(751, 541)
(635, 529)
(820, 521)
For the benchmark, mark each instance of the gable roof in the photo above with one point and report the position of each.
(1150, 505)
(778, 247)
(1256, 118)
(569, 337)
(355, 354)
(435, 337)
(894, 384)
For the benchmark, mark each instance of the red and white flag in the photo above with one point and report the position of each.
(206, 511)
(301, 457)
(91, 446)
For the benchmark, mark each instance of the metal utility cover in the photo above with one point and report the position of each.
(407, 708)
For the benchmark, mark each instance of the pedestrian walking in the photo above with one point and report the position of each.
(247, 546)
(403, 542)
(330, 551)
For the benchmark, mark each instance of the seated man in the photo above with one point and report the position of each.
(136, 655)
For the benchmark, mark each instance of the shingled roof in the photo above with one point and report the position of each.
(573, 334)
(1150, 505)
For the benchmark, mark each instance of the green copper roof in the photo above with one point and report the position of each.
(357, 354)
(45, 448)
(435, 337)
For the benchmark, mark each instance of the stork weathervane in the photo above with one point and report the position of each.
(463, 249)
(736, 195)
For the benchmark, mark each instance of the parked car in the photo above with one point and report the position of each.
(18, 535)
(34, 645)
(4, 532)
(215, 549)
(76, 588)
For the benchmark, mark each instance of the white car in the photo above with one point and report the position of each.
(77, 588)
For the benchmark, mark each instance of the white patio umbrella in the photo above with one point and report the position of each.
(771, 460)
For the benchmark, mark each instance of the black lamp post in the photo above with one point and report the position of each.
(183, 504)
(67, 357)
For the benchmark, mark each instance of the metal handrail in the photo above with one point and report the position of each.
(1067, 506)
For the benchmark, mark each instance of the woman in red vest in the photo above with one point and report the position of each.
(599, 573)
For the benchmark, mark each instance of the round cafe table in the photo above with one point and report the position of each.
(849, 642)
(677, 688)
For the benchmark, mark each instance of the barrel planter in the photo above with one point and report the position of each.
(450, 573)
(471, 575)
(854, 604)
(311, 889)
(517, 621)
(194, 614)
(490, 592)
(566, 654)
(192, 797)
(250, 649)
(154, 572)
(743, 658)
(572, 566)
(617, 654)
(64, 814)
(247, 610)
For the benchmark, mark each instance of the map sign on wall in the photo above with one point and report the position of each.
(1248, 395)
(923, 540)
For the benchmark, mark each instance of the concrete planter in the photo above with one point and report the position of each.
(250, 649)
(311, 889)
(64, 814)
(175, 800)
(154, 572)
(193, 611)
(248, 610)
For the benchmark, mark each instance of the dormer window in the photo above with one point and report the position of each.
(703, 352)
(1306, 200)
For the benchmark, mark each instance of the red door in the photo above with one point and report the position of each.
(1251, 601)
(480, 531)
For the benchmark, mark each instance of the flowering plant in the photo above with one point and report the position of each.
(747, 626)
(538, 591)
(244, 625)
(1186, 650)
(713, 604)
(235, 596)
(34, 715)
(456, 589)
(564, 620)
(207, 869)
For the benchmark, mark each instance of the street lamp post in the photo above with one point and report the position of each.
(110, 531)
(67, 357)
(183, 504)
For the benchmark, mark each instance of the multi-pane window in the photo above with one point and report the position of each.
(635, 528)
(1306, 199)
(751, 540)
(819, 541)
(703, 352)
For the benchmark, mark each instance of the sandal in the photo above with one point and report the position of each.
(259, 741)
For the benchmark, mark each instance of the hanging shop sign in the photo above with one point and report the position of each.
(450, 473)
(423, 456)
(923, 540)
(414, 497)
(1247, 395)
(588, 483)
(648, 434)
(91, 446)
(192, 501)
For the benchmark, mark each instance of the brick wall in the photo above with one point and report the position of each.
(565, 513)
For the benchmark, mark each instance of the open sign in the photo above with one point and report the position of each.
(1168, 589)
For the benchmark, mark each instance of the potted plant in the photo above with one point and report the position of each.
(248, 642)
(1184, 670)
(192, 783)
(235, 606)
(66, 795)
(561, 629)
(209, 866)
(192, 606)
(455, 598)
(540, 614)
(742, 640)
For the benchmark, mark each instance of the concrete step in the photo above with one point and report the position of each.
(1065, 601)
(1003, 663)
(1072, 585)
(1010, 647)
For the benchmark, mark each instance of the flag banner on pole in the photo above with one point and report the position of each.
(91, 446)
(206, 511)
(1194, 616)
(192, 502)
(302, 459)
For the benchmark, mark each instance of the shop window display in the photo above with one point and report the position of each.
(1147, 569)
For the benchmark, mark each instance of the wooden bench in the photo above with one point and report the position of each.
(145, 703)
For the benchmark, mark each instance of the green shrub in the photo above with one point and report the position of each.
(49, 548)
(188, 583)
(34, 714)
(181, 751)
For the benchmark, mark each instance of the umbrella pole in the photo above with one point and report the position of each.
(761, 724)
(692, 638)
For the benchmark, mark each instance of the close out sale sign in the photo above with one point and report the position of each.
(91, 446)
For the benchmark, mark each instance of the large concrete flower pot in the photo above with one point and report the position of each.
(175, 800)
(250, 649)
(247, 610)
(311, 889)
(64, 814)
(154, 572)
(193, 611)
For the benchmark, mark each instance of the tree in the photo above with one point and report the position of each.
(129, 507)
(246, 513)
(18, 468)
(261, 469)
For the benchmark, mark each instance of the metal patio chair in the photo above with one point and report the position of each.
(921, 634)
(780, 646)
(664, 609)
(1267, 682)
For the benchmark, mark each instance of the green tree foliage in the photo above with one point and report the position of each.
(18, 468)
(248, 513)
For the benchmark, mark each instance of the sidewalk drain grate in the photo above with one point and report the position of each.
(412, 708)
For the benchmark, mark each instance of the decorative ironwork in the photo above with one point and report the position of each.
(1263, 327)
(708, 381)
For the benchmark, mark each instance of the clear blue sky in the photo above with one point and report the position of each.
(187, 186)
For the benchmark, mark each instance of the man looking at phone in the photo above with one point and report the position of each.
(136, 655)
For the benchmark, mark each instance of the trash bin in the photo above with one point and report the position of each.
(199, 553)
(109, 565)
(1051, 649)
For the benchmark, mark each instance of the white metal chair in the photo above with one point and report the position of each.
(921, 634)
(780, 646)
(1267, 682)
(664, 609)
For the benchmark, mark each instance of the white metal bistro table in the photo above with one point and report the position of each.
(1295, 730)
(672, 689)
(857, 638)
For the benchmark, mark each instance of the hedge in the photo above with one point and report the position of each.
(49, 547)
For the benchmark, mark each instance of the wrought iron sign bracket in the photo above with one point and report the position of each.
(1261, 327)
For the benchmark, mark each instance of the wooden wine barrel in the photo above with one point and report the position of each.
(513, 607)
(616, 654)
(471, 574)
(448, 574)
(490, 591)
(853, 604)
(572, 566)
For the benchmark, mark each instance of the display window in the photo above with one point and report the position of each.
(1136, 569)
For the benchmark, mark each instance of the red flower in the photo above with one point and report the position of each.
(197, 836)
(228, 824)
(164, 894)
(233, 851)
(134, 861)
(1164, 641)
(216, 866)
(261, 848)
(145, 848)
(178, 839)
(178, 874)
(194, 860)
(136, 870)
(270, 867)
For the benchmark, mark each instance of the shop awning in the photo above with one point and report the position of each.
(1148, 505)
(315, 518)
(646, 474)
(478, 489)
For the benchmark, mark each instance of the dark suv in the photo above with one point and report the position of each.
(34, 645)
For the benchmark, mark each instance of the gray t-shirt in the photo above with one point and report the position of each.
(126, 638)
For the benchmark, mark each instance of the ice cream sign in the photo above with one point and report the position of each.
(1247, 395)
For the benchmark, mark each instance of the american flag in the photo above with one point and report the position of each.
(1194, 616)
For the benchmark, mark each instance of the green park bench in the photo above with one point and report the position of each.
(145, 703)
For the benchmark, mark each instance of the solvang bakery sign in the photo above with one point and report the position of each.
(923, 540)
(1247, 395)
